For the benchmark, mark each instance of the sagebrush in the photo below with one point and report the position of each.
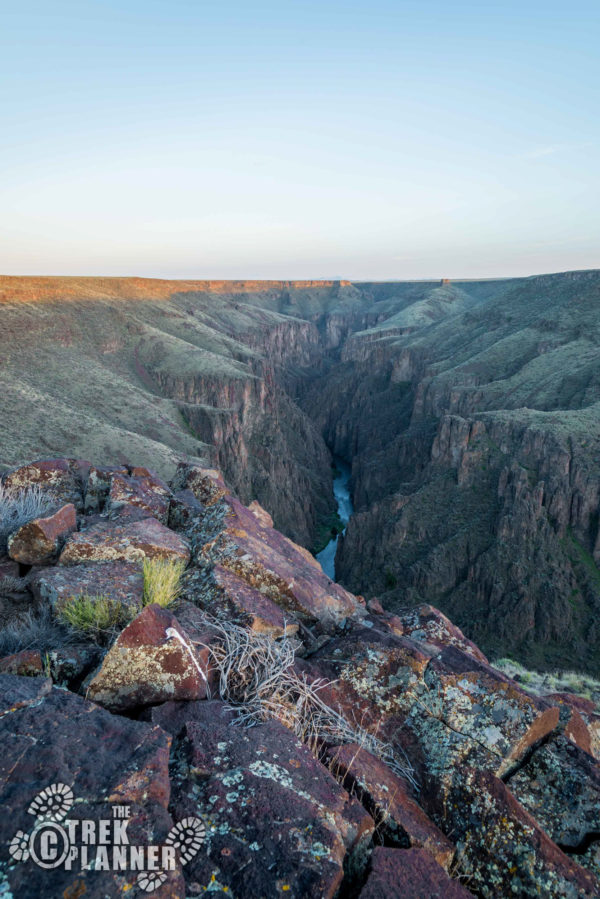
(17, 507)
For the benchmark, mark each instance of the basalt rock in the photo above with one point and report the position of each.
(97, 759)
(119, 581)
(278, 821)
(152, 660)
(38, 542)
(129, 542)
(420, 743)
(408, 872)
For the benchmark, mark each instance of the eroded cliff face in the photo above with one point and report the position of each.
(475, 444)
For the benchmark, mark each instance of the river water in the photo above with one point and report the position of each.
(341, 491)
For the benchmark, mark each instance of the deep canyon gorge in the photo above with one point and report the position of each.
(468, 413)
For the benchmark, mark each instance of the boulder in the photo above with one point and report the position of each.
(560, 786)
(27, 663)
(278, 821)
(427, 624)
(503, 851)
(131, 542)
(142, 492)
(152, 660)
(206, 484)
(60, 479)
(183, 509)
(39, 541)
(388, 799)
(408, 872)
(288, 574)
(120, 581)
(239, 600)
(102, 761)
(260, 514)
(98, 486)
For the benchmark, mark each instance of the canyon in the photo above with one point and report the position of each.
(468, 412)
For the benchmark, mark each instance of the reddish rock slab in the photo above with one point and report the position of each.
(426, 623)
(247, 603)
(152, 660)
(59, 738)
(260, 514)
(27, 663)
(579, 720)
(144, 492)
(38, 542)
(280, 569)
(121, 581)
(504, 850)
(387, 798)
(98, 485)
(409, 873)
(483, 704)
(60, 479)
(278, 822)
(132, 542)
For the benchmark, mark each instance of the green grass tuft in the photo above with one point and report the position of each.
(162, 581)
(95, 616)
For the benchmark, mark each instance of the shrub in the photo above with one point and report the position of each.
(17, 507)
(98, 617)
(162, 581)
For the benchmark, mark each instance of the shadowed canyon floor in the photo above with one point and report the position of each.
(469, 413)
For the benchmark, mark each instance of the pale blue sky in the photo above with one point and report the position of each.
(388, 139)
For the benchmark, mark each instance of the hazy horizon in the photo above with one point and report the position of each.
(400, 141)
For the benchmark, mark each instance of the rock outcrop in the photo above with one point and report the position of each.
(386, 753)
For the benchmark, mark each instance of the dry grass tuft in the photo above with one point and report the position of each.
(257, 678)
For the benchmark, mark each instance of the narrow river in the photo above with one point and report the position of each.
(341, 492)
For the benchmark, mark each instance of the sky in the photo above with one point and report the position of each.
(379, 140)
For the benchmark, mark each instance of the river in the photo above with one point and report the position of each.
(341, 491)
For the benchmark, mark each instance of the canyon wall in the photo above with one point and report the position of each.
(469, 413)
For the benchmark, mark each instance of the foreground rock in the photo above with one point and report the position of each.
(245, 544)
(388, 798)
(38, 542)
(102, 760)
(465, 771)
(131, 542)
(62, 480)
(120, 581)
(152, 660)
(409, 872)
(277, 820)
